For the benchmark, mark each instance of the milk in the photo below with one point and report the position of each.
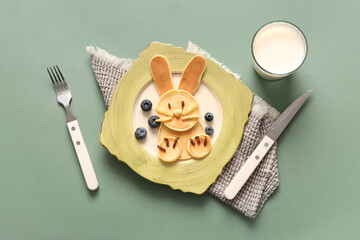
(278, 49)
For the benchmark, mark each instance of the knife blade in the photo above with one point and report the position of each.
(264, 146)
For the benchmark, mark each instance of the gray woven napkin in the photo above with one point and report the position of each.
(109, 69)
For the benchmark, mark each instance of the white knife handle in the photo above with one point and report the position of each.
(83, 155)
(248, 168)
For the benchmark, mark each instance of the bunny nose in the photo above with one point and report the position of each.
(177, 112)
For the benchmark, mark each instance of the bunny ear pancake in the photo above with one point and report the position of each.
(190, 79)
(160, 70)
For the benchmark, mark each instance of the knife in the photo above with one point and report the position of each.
(264, 146)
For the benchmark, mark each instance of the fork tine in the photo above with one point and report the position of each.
(56, 80)
(60, 85)
(58, 69)
(63, 84)
(52, 80)
(58, 77)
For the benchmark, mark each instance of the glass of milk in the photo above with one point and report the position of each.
(278, 49)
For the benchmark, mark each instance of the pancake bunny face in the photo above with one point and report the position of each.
(179, 111)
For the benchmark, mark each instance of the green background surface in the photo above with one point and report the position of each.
(42, 191)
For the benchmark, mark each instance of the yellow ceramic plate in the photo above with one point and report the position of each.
(195, 176)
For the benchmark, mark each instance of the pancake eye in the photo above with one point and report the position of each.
(169, 105)
(182, 104)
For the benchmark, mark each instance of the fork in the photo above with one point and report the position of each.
(63, 96)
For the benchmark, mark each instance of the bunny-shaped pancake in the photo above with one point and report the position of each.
(181, 136)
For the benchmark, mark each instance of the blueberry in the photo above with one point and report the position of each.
(209, 116)
(209, 130)
(140, 133)
(152, 123)
(146, 105)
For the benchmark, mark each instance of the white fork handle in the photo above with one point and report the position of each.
(83, 155)
(248, 168)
